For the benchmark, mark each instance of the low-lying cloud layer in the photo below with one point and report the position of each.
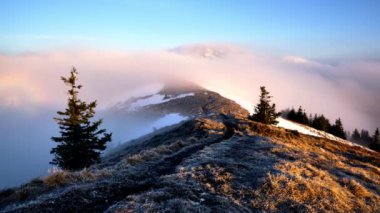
(31, 91)
(347, 88)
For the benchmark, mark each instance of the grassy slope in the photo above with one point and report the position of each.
(220, 164)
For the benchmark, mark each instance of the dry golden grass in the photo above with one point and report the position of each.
(285, 172)
(218, 181)
(307, 188)
(56, 179)
(158, 151)
(321, 175)
(356, 188)
(312, 175)
(63, 177)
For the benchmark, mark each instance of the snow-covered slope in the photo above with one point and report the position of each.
(153, 99)
(286, 124)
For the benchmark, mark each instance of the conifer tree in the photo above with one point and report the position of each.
(292, 115)
(365, 137)
(264, 111)
(355, 136)
(301, 116)
(375, 144)
(337, 129)
(321, 123)
(81, 141)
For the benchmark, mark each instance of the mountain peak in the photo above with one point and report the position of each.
(185, 98)
(178, 87)
(208, 51)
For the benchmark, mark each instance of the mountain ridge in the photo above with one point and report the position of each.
(185, 98)
(212, 162)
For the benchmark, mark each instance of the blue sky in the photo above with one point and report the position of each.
(314, 29)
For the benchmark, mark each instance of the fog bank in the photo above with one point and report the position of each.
(31, 91)
(343, 88)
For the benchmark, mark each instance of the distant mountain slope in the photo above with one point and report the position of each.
(216, 163)
(186, 99)
(173, 103)
(189, 100)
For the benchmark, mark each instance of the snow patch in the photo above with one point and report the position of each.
(293, 126)
(286, 124)
(155, 99)
(313, 132)
(183, 95)
(118, 101)
(150, 100)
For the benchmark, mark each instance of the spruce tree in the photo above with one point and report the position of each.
(81, 141)
(301, 116)
(292, 115)
(375, 144)
(337, 129)
(365, 137)
(321, 123)
(264, 111)
(355, 136)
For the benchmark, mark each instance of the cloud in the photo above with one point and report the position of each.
(295, 60)
(347, 89)
(17, 90)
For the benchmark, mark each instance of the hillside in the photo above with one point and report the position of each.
(184, 98)
(164, 106)
(215, 163)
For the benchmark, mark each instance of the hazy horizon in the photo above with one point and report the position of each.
(335, 88)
